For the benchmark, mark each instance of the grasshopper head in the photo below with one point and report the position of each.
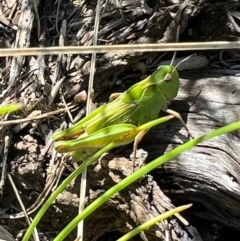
(167, 80)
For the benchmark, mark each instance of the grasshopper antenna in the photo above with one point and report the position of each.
(175, 52)
(185, 59)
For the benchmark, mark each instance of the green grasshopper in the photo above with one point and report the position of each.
(119, 119)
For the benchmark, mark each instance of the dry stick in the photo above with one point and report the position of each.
(19, 198)
(58, 6)
(62, 36)
(37, 17)
(35, 234)
(48, 114)
(4, 163)
(83, 185)
(161, 47)
(65, 104)
(55, 90)
(51, 181)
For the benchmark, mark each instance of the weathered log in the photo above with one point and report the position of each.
(209, 173)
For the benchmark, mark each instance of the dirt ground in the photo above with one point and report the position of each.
(47, 84)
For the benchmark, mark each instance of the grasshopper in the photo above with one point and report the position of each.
(125, 119)
(138, 105)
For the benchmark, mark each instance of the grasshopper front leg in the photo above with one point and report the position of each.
(178, 116)
(145, 128)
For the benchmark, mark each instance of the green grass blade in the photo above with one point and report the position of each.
(141, 172)
(127, 133)
(9, 108)
(153, 221)
(62, 187)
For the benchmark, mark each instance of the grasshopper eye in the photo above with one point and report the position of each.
(168, 77)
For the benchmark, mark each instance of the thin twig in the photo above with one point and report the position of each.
(35, 233)
(19, 198)
(56, 24)
(83, 185)
(4, 162)
(161, 47)
(37, 17)
(48, 114)
(65, 104)
(55, 90)
(52, 179)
